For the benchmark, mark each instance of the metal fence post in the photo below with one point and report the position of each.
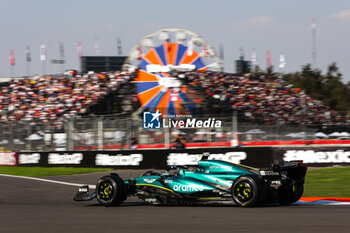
(29, 143)
(167, 138)
(69, 142)
(100, 134)
(234, 140)
(128, 132)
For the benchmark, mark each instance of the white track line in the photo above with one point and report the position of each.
(49, 181)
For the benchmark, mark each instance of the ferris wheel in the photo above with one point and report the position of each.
(184, 46)
(156, 55)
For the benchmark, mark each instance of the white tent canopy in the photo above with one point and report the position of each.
(34, 137)
(296, 135)
(321, 135)
(4, 141)
(60, 141)
(344, 134)
(335, 134)
(18, 142)
(254, 131)
(177, 132)
(204, 131)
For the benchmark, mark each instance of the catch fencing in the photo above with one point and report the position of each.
(116, 132)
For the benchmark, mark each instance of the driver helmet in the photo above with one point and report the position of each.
(205, 156)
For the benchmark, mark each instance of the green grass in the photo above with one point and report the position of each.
(47, 171)
(328, 182)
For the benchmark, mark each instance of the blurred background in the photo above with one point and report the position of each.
(80, 77)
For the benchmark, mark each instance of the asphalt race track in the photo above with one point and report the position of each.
(36, 206)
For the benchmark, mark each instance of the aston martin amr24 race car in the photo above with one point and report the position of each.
(211, 181)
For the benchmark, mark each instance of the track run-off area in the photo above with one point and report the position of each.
(46, 204)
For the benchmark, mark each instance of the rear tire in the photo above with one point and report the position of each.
(248, 190)
(291, 195)
(111, 190)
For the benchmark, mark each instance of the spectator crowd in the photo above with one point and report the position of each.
(265, 100)
(53, 99)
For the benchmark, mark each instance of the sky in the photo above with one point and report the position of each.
(275, 25)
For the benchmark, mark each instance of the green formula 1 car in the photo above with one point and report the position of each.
(209, 181)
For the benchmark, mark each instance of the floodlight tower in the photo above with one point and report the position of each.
(313, 31)
(119, 47)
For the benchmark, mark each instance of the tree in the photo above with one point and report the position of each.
(328, 87)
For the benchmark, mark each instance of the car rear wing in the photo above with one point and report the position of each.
(284, 171)
(282, 165)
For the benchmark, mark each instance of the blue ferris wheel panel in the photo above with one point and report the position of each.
(161, 53)
(144, 86)
(181, 49)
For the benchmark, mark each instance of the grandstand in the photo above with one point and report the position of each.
(265, 100)
(64, 112)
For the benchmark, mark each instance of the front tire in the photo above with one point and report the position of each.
(111, 190)
(248, 190)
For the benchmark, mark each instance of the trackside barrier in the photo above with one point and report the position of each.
(224, 144)
(8, 159)
(160, 159)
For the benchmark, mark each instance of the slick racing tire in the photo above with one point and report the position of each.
(111, 190)
(248, 190)
(290, 195)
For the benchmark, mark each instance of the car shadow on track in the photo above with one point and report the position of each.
(131, 204)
